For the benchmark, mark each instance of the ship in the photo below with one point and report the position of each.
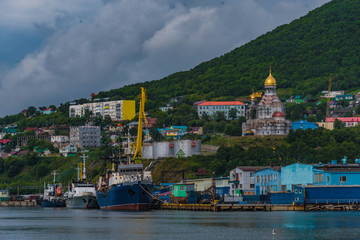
(81, 194)
(53, 196)
(129, 187)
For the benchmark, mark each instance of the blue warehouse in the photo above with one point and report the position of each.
(267, 180)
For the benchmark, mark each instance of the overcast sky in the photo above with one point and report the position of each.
(57, 51)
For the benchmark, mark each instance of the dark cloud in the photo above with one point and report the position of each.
(134, 41)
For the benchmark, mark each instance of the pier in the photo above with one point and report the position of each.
(18, 204)
(256, 207)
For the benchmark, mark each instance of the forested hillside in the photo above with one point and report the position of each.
(303, 55)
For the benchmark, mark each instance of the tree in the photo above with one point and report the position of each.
(338, 124)
(31, 111)
(155, 135)
(232, 113)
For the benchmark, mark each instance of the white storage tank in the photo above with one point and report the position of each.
(163, 149)
(189, 147)
(147, 152)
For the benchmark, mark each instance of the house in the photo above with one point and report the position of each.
(47, 111)
(68, 149)
(340, 111)
(118, 127)
(173, 131)
(302, 124)
(5, 155)
(4, 142)
(348, 97)
(22, 153)
(196, 130)
(35, 129)
(211, 108)
(222, 186)
(332, 94)
(267, 180)
(166, 108)
(42, 151)
(10, 129)
(242, 180)
(59, 140)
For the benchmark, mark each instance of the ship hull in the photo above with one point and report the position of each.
(127, 196)
(54, 204)
(82, 202)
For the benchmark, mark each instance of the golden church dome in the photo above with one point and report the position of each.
(270, 80)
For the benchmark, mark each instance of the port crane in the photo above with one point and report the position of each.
(142, 118)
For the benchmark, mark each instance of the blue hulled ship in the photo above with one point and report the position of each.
(128, 187)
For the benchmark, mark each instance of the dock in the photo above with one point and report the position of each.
(18, 204)
(256, 207)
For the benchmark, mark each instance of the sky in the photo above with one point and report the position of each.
(52, 52)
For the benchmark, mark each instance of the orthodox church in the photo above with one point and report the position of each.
(268, 116)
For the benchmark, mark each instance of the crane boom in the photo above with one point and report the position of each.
(142, 117)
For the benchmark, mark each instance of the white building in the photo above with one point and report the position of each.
(117, 110)
(242, 180)
(59, 140)
(85, 136)
(67, 149)
(210, 108)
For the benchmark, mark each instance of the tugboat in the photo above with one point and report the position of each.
(53, 195)
(82, 194)
(129, 186)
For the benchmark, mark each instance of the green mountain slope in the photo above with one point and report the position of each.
(303, 55)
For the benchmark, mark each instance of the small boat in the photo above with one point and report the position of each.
(82, 194)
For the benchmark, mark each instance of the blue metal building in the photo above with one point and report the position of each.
(304, 125)
(267, 180)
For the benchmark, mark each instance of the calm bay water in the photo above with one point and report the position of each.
(38, 223)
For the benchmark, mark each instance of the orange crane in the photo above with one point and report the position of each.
(328, 98)
(142, 118)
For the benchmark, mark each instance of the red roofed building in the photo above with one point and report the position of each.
(210, 108)
(349, 121)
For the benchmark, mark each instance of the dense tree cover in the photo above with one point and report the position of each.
(303, 55)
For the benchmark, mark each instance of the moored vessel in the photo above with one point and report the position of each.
(129, 187)
(81, 194)
(53, 196)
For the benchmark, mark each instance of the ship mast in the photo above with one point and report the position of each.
(84, 157)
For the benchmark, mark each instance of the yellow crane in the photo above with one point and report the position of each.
(142, 118)
(328, 98)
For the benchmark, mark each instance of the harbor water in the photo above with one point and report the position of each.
(62, 223)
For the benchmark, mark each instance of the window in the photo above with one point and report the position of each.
(296, 191)
(327, 179)
(320, 177)
(342, 179)
(252, 185)
(275, 176)
(182, 188)
(251, 174)
(257, 179)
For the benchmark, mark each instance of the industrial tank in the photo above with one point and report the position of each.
(189, 147)
(147, 152)
(163, 149)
